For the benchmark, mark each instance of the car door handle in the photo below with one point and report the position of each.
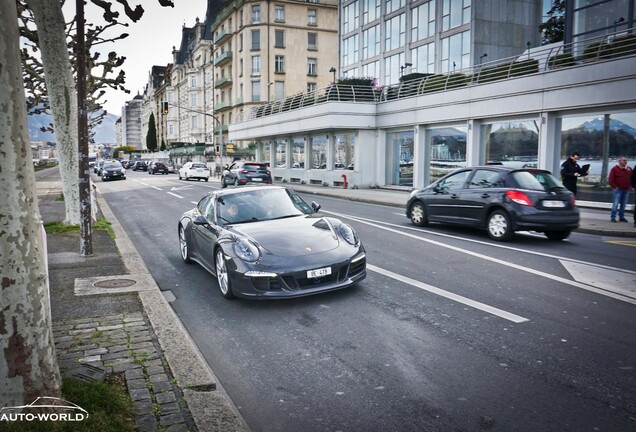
(454, 196)
(485, 195)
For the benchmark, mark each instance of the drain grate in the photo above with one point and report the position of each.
(115, 283)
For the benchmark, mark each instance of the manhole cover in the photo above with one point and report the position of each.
(115, 283)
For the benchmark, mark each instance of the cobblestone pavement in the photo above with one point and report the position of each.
(126, 344)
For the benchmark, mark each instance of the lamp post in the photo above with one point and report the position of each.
(333, 71)
(482, 57)
(617, 22)
(404, 67)
(268, 90)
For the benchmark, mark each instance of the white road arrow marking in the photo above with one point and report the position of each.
(615, 281)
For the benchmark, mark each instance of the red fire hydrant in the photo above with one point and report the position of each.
(344, 183)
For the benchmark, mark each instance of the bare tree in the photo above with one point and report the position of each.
(28, 366)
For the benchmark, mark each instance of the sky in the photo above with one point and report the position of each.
(149, 43)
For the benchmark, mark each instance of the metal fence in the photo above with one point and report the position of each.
(535, 61)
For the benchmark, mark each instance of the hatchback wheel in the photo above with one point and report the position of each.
(499, 226)
(418, 214)
(558, 235)
(183, 246)
(222, 276)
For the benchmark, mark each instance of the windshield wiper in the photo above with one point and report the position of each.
(286, 216)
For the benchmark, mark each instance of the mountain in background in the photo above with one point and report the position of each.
(598, 123)
(104, 133)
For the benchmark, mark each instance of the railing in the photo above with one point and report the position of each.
(539, 60)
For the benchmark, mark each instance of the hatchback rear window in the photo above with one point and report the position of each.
(254, 167)
(536, 180)
(198, 165)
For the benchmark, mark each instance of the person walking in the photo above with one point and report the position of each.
(571, 171)
(620, 180)
(634, 187)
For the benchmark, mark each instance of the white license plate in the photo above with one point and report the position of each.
(199, 169)
(256, 179)
(554, 204)
(318, 272)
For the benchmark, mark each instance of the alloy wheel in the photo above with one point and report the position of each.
(222, 276)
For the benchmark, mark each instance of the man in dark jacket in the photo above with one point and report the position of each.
(571, 171)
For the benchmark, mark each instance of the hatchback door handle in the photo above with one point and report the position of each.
(485, 195)
(454, 196)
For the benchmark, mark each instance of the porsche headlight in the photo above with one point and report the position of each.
(347, 233)
(246, 250)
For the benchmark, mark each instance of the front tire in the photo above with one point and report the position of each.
(418, 214)
(558, 235)
(183, 246)
(222, 275)
(499, 226)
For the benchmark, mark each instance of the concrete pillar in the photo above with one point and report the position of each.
(421, 157)
(475, 148)
(550, 143)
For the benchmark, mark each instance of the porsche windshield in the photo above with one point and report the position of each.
(259, 205)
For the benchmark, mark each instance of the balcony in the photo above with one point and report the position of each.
(223, 82)
(222, 36)
(222, 106)
(222, 59)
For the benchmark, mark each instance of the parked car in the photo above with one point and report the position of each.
(157, 167)
(98, 165)
(266, 242)
(140, 166)
(243, 172)
(113, 170)
(170, 166)
(500, 199)
(194, 170)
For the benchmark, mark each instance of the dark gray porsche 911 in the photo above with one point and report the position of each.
(266, 242)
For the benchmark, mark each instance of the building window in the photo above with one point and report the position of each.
(240, 72)
(256, 65)
(193, 81)
(193, 100)
(312, 17)
(371, 42)
(195, 122)
(256, 14)
(456, 52)
(281, 153)
(241, 42)
(312, 67)
(256, 91)
(279, 13)
(311, 87)
(455, 13)
(344, 152)
(170, 129)
(424, 59)
(350, 17)
(279, 39)
(423, 21)
(297, 152)
(279, 64)
(371, 11)
(350, 50)
(393, 5)
(371, 69)
(318, 144)
(256, 40)
(312, 41)
(279, 90)
(392, 67)
(395, 36)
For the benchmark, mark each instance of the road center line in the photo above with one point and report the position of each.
(586, 287)
(174, 194)
(449, 295)
(155, 187)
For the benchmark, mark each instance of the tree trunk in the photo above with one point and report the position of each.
(28, 366)
(60, 86)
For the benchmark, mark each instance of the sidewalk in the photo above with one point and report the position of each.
(109, 316)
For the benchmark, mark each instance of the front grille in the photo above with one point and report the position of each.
(267, 283)
(357, 267)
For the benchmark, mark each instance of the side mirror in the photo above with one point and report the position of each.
(315, 206)
(200, 220)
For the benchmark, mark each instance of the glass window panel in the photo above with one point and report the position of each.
(400, 157)
(514, 144)
(344, 154)
(281, 153)
(318, 151)
(298, 153)
(447, 149)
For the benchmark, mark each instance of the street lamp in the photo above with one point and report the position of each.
(617, 22)
(268, 90)
(404, 67)
(333, 71)
(482, 57)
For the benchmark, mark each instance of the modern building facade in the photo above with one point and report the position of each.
(131, 123)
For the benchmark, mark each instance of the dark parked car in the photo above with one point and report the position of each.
(242, 173)
(500, 199)
(98, 167)
(157, 167)
(266, 242)
(113, 170)
(140, 166)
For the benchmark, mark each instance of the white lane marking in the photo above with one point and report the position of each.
(145, 184)
(611, 280)
(155, 187)
(174, 194)
(181, 188)
(576, 284)
(449, 295)
(194, 202)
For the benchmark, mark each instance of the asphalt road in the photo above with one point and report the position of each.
(449, 332)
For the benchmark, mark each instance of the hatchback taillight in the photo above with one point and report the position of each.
(243, 171)
(519, 197)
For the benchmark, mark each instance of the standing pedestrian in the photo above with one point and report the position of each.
(571, 171)
(634, 187)
(620, 180)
